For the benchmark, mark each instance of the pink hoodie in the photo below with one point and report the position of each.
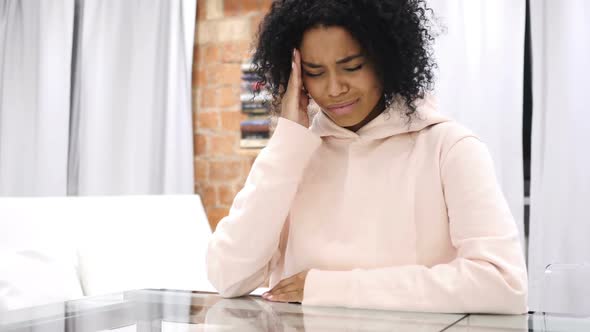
(400, 216)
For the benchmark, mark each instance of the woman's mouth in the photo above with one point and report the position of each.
(342, 108)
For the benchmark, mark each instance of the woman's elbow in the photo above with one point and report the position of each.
(225, 281)
(216, 279)
(518, 303)
(517, 291)
(515, 303)
(509, 298)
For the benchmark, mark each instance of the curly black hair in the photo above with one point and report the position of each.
(395, 34)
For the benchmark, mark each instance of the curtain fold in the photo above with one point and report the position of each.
(480, 55)
(95, 97)
(35, 55)
(560, 182)
(134, 99)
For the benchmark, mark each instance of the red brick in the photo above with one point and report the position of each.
(195, 118)
(222, 145)
(208, 120)
(255, 23)
(246, 166)
(211, 75)
(224, 170)
(265, 5)
(228, 96)
(208, 97)
(196, 56)
(250, 5)
(215, 214)
(232, 7)
(200, 145)
(200, 54)
(235, 52)
(208, 194)
(201, 170)
(226, 194)
(199, 77)
(212, 55)
(230, 121)
(194, 77)
(227, 73)
(201, 15)
(195, 105)
(231, 74)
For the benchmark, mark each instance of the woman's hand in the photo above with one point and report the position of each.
(288, 290)
(295, 100)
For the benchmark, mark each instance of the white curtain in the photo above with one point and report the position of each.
(480, 54)
(35, 59)
(132, 100)
(96, 97)
(560, 158)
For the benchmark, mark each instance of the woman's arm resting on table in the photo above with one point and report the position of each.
(244, 248)
(488, 275)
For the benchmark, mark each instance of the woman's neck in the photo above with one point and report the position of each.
(377, 110)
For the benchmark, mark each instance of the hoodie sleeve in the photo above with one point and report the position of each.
(488, 274)
(245, 245)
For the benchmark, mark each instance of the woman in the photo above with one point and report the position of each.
(378, 201)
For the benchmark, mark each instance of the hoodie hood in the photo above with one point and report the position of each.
(389, 123)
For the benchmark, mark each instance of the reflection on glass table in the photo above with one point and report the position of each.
(531, 322)
(169, 310)
(213, 313)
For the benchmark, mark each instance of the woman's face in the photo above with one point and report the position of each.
(338, 75)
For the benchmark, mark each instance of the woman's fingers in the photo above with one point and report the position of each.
(288, 290)
(287, 297)
(293, 86)
(292, 287)
(297, 71)
(303, 98)
(295, 100)
(283, 284)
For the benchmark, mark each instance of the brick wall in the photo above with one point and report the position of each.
(223, 40)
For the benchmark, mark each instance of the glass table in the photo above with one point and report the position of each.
(173, 311)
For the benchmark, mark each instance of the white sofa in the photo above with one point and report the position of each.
(59, 248)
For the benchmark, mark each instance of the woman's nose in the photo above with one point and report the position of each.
(336, 86)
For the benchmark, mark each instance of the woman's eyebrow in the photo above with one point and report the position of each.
(349, 58)
(341, 61)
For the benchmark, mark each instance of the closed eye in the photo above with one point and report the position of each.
(355, 68)
(347, 69)
(312, 74)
